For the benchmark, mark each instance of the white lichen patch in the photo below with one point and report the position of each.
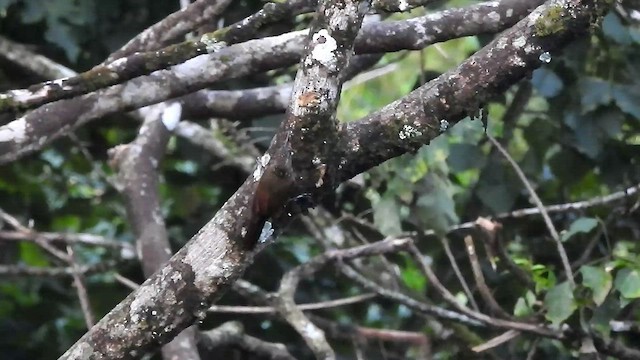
(494, 16)
(14, 131)
(403, 5)
(313, 332)
(262, 163)
(118, 63)
(171, 115)
(408, 132)
(212, 44)
(520, 41)
(83, 351)
(21, 95)
(59, 83)
(144, 299)
(517, 61)
(144, 92)
(324, 47)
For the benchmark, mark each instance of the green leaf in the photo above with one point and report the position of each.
(543, 277)
(626, 97)
(522, 309)
(67, 223)
(464, 157)
(32, 255)
(602, 316)
(569, 165)
(582, 225)
(628, 283)
(386, 216)
(560, 303)
(531, 298)
(498, 186)
(598, 280)
(435, 208)
(613, 28)
(595, 92)
(413, 278)
(546, 82)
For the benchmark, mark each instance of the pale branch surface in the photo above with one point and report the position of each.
(137, 165)
(135, 64)
(232, 333)
(414, 120)
(38, 64)
(419, 32)
(172, 27)
(39, 127)
(215, 257)
(31, 131)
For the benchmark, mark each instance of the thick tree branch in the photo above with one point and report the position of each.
(407, 124)
(39, 127)
(200, 272)
(137, 165)
(172, 27)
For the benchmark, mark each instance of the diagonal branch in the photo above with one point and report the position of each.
(216, 256)
(547, 220)
(39, 127)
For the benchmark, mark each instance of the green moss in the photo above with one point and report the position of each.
(98, 78)
(550, 22)
(215, 36)
(228, 143)
(7, 102)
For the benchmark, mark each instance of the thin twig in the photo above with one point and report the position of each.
(13, 221)
(545, 215)
(456, 270)
(81, 290)
(496, 341)
(488, 320)
(484, 290)
(126, 281)
(534, 348)
(304, 307)
(520, 213)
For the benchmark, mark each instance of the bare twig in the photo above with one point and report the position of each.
(20, 270)
(578, 205)
(284, 302)
(545, 215)
(126, 281)
(232, 333)
(81, 290)
(69, 238)
(304, 307)
(496, 341)
(359, 333)
(533, 349)
(456, 270)
(488, 320)
(484, 290)
(411, 303)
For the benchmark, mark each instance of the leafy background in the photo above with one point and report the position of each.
(577, 138)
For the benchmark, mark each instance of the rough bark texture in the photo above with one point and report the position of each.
(31, 131)
(176, 295)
